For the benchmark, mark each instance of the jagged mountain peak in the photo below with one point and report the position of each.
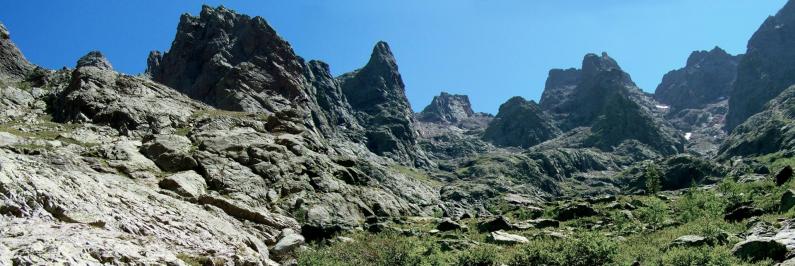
(447, 108)
(707, 78)
(520, 123)
(593, 64)
(94, 59)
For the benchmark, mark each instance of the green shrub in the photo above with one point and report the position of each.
(485, 255)
(654, 213)
(381, 249)
(699, 256)
(653, 178)
(585, 250)
(695, 204)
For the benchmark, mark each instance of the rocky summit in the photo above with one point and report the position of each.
(231, 149)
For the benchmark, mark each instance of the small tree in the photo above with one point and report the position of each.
(653, 178)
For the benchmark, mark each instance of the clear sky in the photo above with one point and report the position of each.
(490, 50)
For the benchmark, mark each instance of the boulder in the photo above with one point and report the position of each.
(289, 242)
(742, 213)
(787, 200)
(760, 249)
(495, 224)
(171, 153)
(784, 175)
(601, 199)
(448, 225)
(688, 241)
(501, 237)
(543, 223)
(575, 210)
(188, 184)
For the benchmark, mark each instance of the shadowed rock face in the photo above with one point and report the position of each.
(520, 123)
(767, 68)
(766, 132)
(603, 97)
(13, 64)
(377, 93)
(447, 108)
(235, 62)
(708, 77)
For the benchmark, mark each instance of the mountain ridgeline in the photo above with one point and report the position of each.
(231, 149)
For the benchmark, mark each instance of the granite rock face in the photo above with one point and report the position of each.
(98, 94)
(238, 63)
(603, 99)
(377, 94)
(447, 108)
(766, 132)
(520, 123)
(13, 65)
(767, 69)
(707, 78)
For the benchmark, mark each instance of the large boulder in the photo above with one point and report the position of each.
(787, 200)
(760, 249)
(172, 153)
(575, 210)
(501, 237)
(188, 184)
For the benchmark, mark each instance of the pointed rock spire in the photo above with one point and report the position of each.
(378, 94)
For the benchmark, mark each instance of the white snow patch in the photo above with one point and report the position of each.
(688, 135)
(662, 106)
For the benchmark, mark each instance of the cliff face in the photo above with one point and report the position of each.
(707, 78)
(377, 94)
(13, 65)
(767, 68)
(238, 63)
(447, 108)
(520, 123)
(602, 97)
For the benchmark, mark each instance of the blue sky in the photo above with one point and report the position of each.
(489, 50)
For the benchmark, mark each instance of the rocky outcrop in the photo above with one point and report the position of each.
(766, 132)
(235, 62)
(603, 98)
(520, 123)
(98, 94)
(767, 68)
(13, 65)
(447, 108)
(707, 78)
(377, 93)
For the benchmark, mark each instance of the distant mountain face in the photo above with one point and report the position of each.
(602, 97)
(767, 68)
(447, 108)
(707, 78)
(766, 132)
(520, 123)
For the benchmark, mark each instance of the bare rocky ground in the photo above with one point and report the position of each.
(232, 150)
